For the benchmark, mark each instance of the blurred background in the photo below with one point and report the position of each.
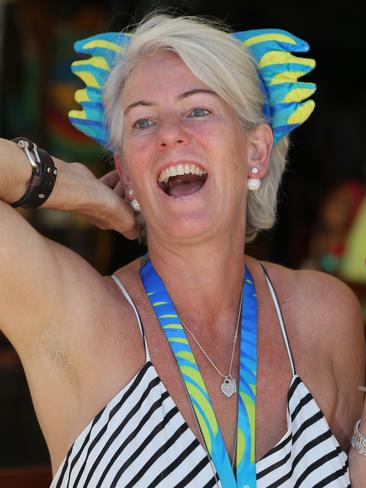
(322, 205)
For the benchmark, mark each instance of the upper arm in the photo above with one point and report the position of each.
(37, 277)
(347, 351)
(336, 324)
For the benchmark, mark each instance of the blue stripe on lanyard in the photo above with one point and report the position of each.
(202, 406)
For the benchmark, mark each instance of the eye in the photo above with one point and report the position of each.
(199, 112)
(143, 124)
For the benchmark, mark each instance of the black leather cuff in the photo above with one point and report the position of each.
(43, 177)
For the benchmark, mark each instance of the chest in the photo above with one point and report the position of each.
(273, 378)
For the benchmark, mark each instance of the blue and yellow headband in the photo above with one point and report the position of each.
(286, 105)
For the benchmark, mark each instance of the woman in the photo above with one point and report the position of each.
(79, 334)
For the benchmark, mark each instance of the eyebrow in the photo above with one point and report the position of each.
(182, 96)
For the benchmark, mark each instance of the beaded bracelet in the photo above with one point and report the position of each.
(358, 440)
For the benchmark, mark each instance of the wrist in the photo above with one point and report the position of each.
(15, 172)
(71, 191)
(43, 175)
(362, 426)
(58, 199)
(358, 441)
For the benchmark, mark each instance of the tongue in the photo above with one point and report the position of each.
(183, 185)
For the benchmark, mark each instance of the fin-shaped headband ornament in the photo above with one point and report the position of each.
(286, 105)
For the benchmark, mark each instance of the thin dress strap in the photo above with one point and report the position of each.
(280, 319)
(134, 308)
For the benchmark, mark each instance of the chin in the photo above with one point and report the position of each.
(186, 229)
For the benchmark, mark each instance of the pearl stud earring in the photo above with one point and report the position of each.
(254, 183)
(135, 205)
(134, 202)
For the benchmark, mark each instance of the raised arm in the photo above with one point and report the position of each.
(34, 269)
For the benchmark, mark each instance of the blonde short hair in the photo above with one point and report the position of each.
(224, 65)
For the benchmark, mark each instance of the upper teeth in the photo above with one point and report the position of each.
(180, 169)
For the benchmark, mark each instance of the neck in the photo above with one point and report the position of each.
(203, 280)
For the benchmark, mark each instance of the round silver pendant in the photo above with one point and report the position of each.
(228, 386)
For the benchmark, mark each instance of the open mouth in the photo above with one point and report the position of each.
(182, 180)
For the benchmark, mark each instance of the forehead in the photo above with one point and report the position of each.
(158, 74)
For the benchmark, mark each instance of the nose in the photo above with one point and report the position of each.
(172, 133)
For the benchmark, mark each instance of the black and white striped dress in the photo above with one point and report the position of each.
(140, 439)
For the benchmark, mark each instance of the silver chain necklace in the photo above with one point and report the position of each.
(228, 386)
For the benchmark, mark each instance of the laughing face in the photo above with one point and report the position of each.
(184, 152)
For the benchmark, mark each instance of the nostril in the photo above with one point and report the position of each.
(166, 144)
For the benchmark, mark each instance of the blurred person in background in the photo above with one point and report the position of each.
(338, 243)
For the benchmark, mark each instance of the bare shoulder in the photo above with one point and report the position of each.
(324, 321)
(330, 305)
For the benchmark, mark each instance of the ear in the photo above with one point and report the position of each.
(123, 172)
(259, 147)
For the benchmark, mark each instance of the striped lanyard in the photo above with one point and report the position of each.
(195, 386)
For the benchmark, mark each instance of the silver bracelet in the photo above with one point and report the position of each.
(358, 440)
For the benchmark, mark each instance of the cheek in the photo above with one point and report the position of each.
(139, 159)
(209, 134)
(138, 151)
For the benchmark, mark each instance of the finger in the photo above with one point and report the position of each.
(124, 219)
(118, 189)
(128, 227)
(111, 179)
(131, 234)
